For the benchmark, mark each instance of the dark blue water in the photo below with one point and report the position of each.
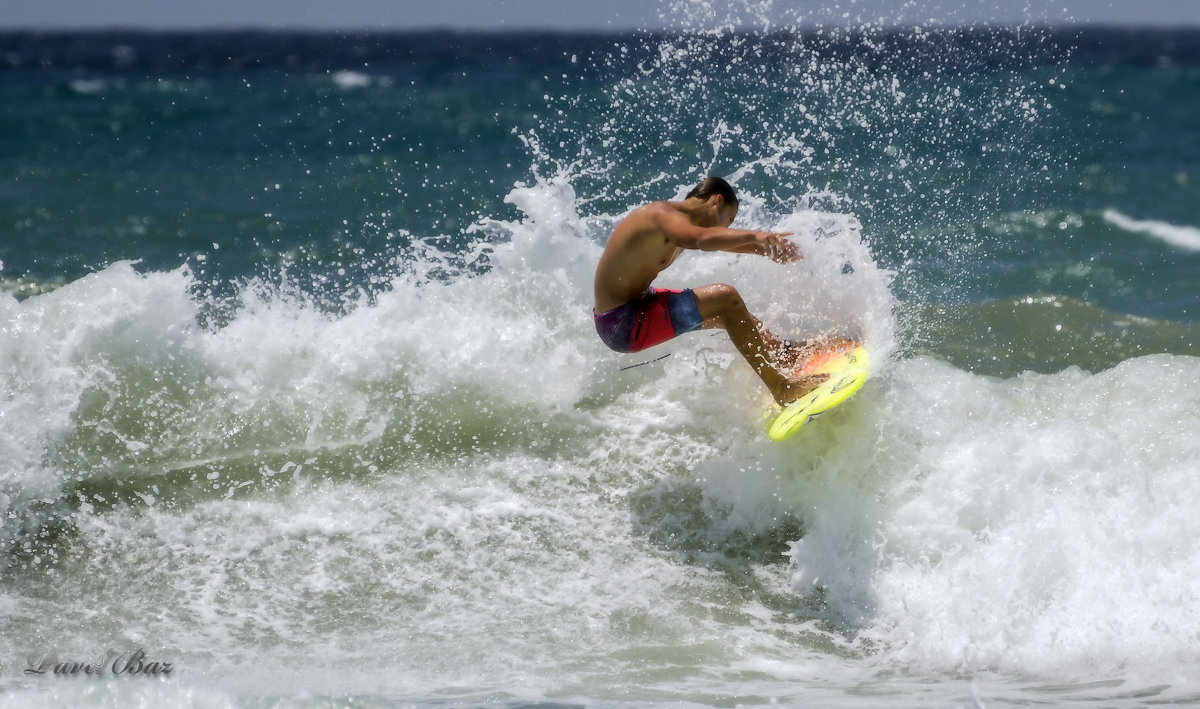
(159, 146)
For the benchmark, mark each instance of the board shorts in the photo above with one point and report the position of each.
(654, 318)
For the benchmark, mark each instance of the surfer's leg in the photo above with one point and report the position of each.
(722, 306)
(787, 355)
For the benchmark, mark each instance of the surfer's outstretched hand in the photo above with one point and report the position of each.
(776, 246)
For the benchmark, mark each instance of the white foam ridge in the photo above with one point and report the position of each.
(1181, 237)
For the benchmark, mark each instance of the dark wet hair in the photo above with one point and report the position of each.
(711, 186)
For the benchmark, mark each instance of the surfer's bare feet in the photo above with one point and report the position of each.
(797, 387)
(790, 354)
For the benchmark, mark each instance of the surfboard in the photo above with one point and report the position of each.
(847, 367)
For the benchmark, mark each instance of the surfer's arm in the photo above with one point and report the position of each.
(784, 252)
(682, 233)
(774, 245)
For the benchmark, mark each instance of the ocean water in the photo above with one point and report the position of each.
(300, 396)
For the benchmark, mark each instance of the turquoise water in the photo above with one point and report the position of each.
(300, 392)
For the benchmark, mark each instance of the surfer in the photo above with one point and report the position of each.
(631, 315)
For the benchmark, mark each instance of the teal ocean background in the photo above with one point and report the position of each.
(299, 390)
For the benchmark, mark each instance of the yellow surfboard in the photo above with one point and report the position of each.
(846, 364)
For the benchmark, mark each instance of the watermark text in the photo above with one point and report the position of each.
(115, 663)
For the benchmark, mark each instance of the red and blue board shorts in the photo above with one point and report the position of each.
(650, 320)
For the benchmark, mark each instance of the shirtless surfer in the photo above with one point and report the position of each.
(631, 315)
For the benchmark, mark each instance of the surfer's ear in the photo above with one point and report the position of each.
(723, 211)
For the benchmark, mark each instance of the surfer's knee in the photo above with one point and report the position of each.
(721, 297)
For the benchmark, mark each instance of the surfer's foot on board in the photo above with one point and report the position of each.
(796, 387)
(790, 355)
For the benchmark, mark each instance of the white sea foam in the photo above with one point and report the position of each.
(1030, 525)
(89, 86)
(349, 80)
(1181, 237)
